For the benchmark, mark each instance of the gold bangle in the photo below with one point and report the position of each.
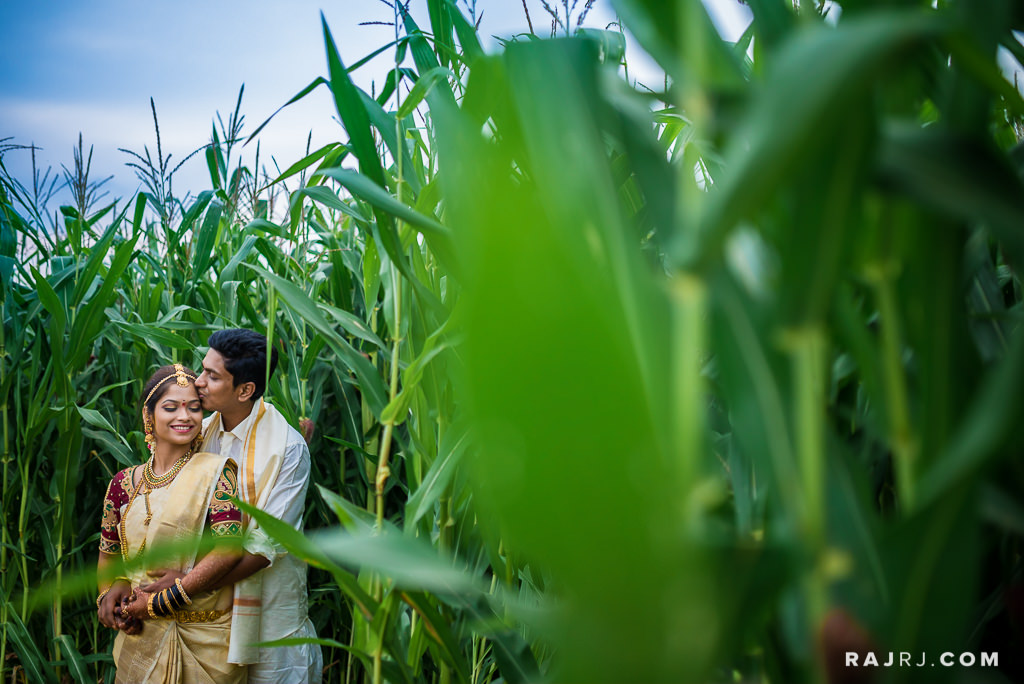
(149, 607)
(162, 603)
(99, 599)
(174, 599)
(188, 601)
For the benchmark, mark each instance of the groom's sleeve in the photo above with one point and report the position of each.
(287, 500)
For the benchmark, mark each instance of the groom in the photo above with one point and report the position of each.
(270, 584)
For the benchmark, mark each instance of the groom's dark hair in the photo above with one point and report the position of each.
(245, 357)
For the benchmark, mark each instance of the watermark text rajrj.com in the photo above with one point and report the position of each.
(905, 659)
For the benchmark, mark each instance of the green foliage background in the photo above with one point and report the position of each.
(710, 384)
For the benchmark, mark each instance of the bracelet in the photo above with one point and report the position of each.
(99, 599)
(149, 607)
(174, 598)
(164, 603)
(177, 583)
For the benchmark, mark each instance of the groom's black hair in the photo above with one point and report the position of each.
(245, 357)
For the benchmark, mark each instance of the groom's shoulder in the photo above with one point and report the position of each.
(295, 438)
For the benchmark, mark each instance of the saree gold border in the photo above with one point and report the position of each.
(250, 455)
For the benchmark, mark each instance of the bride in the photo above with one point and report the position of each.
(172, 512)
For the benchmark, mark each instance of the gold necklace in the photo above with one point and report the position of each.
(123, 533)
(149, 482)
(155, 481)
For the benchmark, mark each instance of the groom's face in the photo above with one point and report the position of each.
(216, 386)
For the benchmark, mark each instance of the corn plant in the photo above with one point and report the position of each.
(715, 383)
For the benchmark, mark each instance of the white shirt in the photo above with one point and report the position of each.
(284, 606)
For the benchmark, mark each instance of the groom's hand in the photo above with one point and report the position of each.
(162, 579)
(109, 607)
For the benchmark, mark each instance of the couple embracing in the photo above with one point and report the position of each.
(212, 584)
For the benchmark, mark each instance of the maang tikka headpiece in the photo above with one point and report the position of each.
(181, 377)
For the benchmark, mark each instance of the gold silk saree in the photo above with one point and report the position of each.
(189, 647)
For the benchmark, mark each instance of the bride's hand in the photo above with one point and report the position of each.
(162, 579)
(135, 607)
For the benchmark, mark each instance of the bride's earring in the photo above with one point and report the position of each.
(147, 426)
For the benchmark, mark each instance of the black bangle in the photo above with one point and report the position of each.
(161, 602)
(172, 597)
(175, 597)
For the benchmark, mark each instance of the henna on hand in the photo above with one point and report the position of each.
(162, 579)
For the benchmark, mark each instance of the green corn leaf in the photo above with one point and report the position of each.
(301, 641)
(205, 242)
(94, 417)
(88, 322)
(152, 335)
(351, 517)
(228, 272)
(51, 302)
(956, 176)
(385, 125)
(440, 630)
(324, 152)
(516, 661)
(118, 448)
(193, 213)
(796, 111)
(35, 663)
(612, 44)
(424, 84)
(684, 41)
(441, 28)
(328, 198)
(369, 379)
(310, 552)
(354, 326)
(318, 81)
(74, 661)
(362, 187)
(989, 422)
(468, 39)
(352, 111)
(408, 561)
(436, 344)
(95, 260)
(437, 479)
(425, 59)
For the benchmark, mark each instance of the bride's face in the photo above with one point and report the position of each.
(178, 416)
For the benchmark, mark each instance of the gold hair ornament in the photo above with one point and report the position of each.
(180, 375)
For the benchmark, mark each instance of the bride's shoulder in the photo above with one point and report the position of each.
(123, 474)
(123, 481)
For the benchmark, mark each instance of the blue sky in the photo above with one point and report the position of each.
(91, 67)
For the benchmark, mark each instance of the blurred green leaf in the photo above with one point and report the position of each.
(408, 561)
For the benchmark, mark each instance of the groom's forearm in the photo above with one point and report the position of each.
(249, 565)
